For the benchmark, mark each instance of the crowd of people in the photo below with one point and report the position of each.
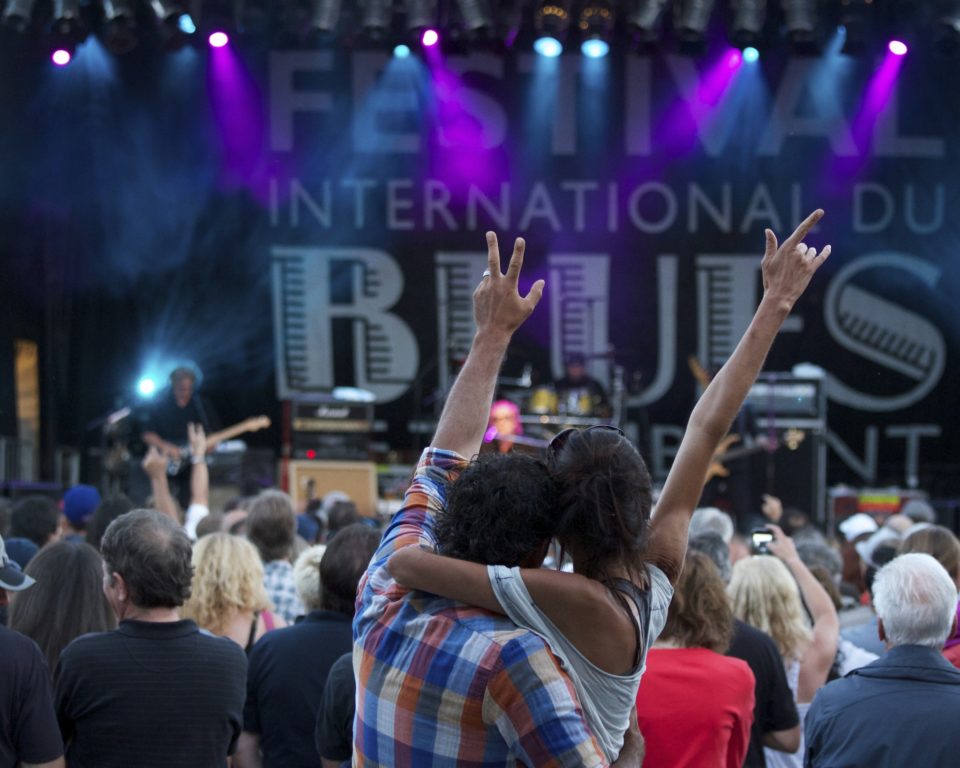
(265, 635)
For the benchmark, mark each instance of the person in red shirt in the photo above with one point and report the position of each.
(695, 705)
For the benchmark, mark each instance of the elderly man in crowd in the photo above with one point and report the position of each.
(156, 691)
(901, 709)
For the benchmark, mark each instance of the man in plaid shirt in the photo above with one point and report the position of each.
(441, 683)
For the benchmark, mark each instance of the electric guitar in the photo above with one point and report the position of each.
(214, 439)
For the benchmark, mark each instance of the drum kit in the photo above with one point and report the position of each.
(546, 401)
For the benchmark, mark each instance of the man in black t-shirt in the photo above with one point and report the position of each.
(578, 393)
(165, 425)
(334, 734)
(156, 691)
(289, 667)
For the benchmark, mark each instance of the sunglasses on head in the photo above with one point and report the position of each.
(560, 439)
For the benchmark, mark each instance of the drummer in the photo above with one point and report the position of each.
(578, 393)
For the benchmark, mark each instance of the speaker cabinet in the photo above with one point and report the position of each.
(357, 479)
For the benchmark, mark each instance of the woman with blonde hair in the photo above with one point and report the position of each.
(769, 593)
(227, 595)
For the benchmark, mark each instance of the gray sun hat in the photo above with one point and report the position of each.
(11, 577)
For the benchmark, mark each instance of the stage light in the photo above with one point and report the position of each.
(476, 15)
(401, 51)
(549, 47)
(146, 387)
(119, 26)
(897, 48)
(430, 37)
(186, 24)
(946, 31)
(421, 14)
(596, 28)
(857, 18)
(746, 26)
(800, 19)
(324, 15)
(375, 16)
(218, 39)
(166, 11)
(690, 23)
(66, 19)
(644, 19)
(751, 54)
(17, 15)
(595, 48)
(551, 22)
(61, 57)
(176, 25)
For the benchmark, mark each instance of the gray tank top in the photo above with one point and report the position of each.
(606, 699)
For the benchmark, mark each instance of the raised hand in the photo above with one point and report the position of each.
(197, 438)
(782, 545)
(154, 463)
(497, 304)
(787, 268)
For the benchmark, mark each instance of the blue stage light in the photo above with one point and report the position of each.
(146, 387)
(595, 49)
(548, 46)
(751, 54)
(401, 51)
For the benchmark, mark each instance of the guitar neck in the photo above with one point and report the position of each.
(215, 438)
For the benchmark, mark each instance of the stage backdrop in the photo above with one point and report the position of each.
(335, 202)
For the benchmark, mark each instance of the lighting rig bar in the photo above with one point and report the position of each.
(550, 27)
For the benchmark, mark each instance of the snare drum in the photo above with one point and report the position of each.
(543, 401)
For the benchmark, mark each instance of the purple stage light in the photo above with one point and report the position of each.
(218, 39)
(897, 48)
(61, 57)
(430, 37)
(734, 59)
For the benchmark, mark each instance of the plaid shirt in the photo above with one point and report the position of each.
(441, 683)
(282, 590)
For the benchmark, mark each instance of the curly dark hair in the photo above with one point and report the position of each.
(605, 502)
(152, 554)
(500, 511)
(700, 614)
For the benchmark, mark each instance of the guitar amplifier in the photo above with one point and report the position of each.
(326, 428)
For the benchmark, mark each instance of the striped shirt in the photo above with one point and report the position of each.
(441, 683)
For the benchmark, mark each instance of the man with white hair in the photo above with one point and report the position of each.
(901, 709)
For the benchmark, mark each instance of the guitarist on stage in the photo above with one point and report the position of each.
(166, 423)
